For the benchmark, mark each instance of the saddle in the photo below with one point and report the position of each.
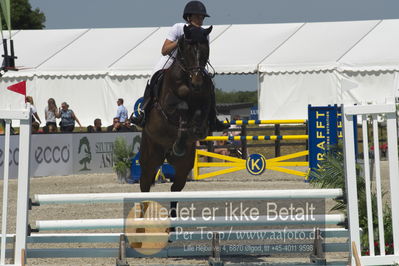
(156, 83)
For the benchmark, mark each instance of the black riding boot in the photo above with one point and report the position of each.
(214, 123)
(151, 90)
(140, 119)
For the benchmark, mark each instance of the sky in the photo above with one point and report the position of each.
(72, 14)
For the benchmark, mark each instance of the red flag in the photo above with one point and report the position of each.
(18, 88)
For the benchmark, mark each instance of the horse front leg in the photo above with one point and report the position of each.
(199, 127)
(182, 166)
(179, 147)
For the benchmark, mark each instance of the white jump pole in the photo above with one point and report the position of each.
(24, 117)
(5, 193)
(87, 224)
(189, 196)
(180, 235)
(23, 186)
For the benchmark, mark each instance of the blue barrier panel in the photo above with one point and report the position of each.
(322, 123)
(254, 113)
(325, 129)
(135, 169)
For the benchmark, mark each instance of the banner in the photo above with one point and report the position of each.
(322, 123)
(66, 154)
(325, 129)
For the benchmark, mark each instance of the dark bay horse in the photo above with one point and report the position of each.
(179, 116)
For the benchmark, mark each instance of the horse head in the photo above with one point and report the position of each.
(193, 54)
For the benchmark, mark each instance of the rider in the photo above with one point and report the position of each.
(194, 14)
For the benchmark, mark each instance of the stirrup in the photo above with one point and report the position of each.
(139, 120)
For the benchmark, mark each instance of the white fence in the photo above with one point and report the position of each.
(371, 112)
(24, 117)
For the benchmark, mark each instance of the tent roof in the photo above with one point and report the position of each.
(241, 47)
(142, 59)
(377, 51)
(316, 46)
(353, 45)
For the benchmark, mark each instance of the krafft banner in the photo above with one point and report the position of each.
(325, 129)
(65, 154)
(323, 132)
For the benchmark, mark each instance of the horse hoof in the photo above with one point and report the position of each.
(178, 152)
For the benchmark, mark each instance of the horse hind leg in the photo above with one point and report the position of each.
(151, 158)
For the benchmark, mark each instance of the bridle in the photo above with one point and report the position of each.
(193, 70)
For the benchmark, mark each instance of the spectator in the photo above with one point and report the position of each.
(115, 127)
(51, 113)
(3, 125)
(222, 150)
(35, 116)
(96, 128)
(128, 127)
(236, 129)
(121, 113)
(68, 118)
(46, 130)
(35, 127)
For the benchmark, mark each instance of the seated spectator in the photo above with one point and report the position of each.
(46, 130)
(35, 127)
(198, 144)
(222, 150)
(96, 128)
(235, 129)
(115, 127)
(128, 127)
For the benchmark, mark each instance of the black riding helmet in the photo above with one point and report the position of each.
(194, 7)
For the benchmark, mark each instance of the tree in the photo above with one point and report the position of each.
(236, 96)
(23, 17)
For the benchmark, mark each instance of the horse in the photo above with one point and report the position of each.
(179, 115)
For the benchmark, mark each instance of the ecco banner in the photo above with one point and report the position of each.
(65, 154)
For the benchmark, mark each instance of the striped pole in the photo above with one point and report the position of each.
(265, 122)
(240, 138)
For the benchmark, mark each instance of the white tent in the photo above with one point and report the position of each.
(303, 70)
(372, 67)
(88, 68)
(297, 64)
